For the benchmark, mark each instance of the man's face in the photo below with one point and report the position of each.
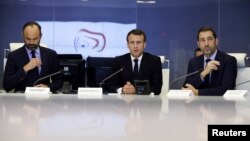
(136, 45)
(207, 43)
(32, 37)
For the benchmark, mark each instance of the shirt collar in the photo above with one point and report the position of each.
(139, 58)
(212, 57)
(37, 50)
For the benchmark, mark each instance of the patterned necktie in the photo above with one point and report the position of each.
(136, 67)
(207, 78)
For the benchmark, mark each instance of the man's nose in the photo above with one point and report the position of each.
(32, 41)
(206, 42)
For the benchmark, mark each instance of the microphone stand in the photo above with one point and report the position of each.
(242, 83)
(47, 76)
(113, 74)
(192, 73)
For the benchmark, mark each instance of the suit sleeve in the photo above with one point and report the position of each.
(12, 77)
(156, 80)
(195, 79)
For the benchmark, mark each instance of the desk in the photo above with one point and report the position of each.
(113, 118)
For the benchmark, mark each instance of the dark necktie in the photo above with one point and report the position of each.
(207, 78)
(136, 67)
(33, 54)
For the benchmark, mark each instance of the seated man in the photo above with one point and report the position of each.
(197, 52)
(217, 70)
(31, 62)
(136, 65)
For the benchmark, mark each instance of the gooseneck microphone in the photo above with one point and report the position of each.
(113, 74)
(47, 76)
(184, 76)
(244, 82)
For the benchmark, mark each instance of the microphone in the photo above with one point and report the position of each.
(47, 76)
(184, 76)
(113, 74)
(242, 83)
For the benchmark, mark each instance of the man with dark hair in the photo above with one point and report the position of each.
(197, 52)
(137, 65)
(218, 70)
(29, 63)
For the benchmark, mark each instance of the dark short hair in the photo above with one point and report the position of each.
(197, 49)
(137, 32)
(204, 29)
(32, 23)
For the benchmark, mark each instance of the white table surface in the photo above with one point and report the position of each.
(112, 118)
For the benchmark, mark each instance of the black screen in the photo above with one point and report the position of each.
(142, 87)
(98, 68)
(74, 72)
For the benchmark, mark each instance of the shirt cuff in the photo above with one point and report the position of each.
(119, 91)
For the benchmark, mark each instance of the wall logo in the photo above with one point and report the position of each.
(89, 39)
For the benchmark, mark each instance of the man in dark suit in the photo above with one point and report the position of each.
(146, 67)
(31, 62)
(217, 70)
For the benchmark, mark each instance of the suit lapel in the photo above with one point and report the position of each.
(25, 55)
(215, 74)
(42, 56)
(142, 66)
(200, 63)
(128, 66)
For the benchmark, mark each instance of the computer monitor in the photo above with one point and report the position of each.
(98, 68)
(74, 72)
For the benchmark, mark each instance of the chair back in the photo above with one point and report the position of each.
(243, 75)
(165, 76)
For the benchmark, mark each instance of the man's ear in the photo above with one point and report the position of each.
(145, 44)
(216, 41)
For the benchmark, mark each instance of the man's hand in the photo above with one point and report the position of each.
(41, 85)
(128, 88)
(211, 66)
(34, 62)
(192, 88)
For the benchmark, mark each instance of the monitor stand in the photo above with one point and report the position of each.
(67, 88)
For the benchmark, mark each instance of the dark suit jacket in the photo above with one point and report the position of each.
(150, 69)
(16, 78)
(222, 79)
